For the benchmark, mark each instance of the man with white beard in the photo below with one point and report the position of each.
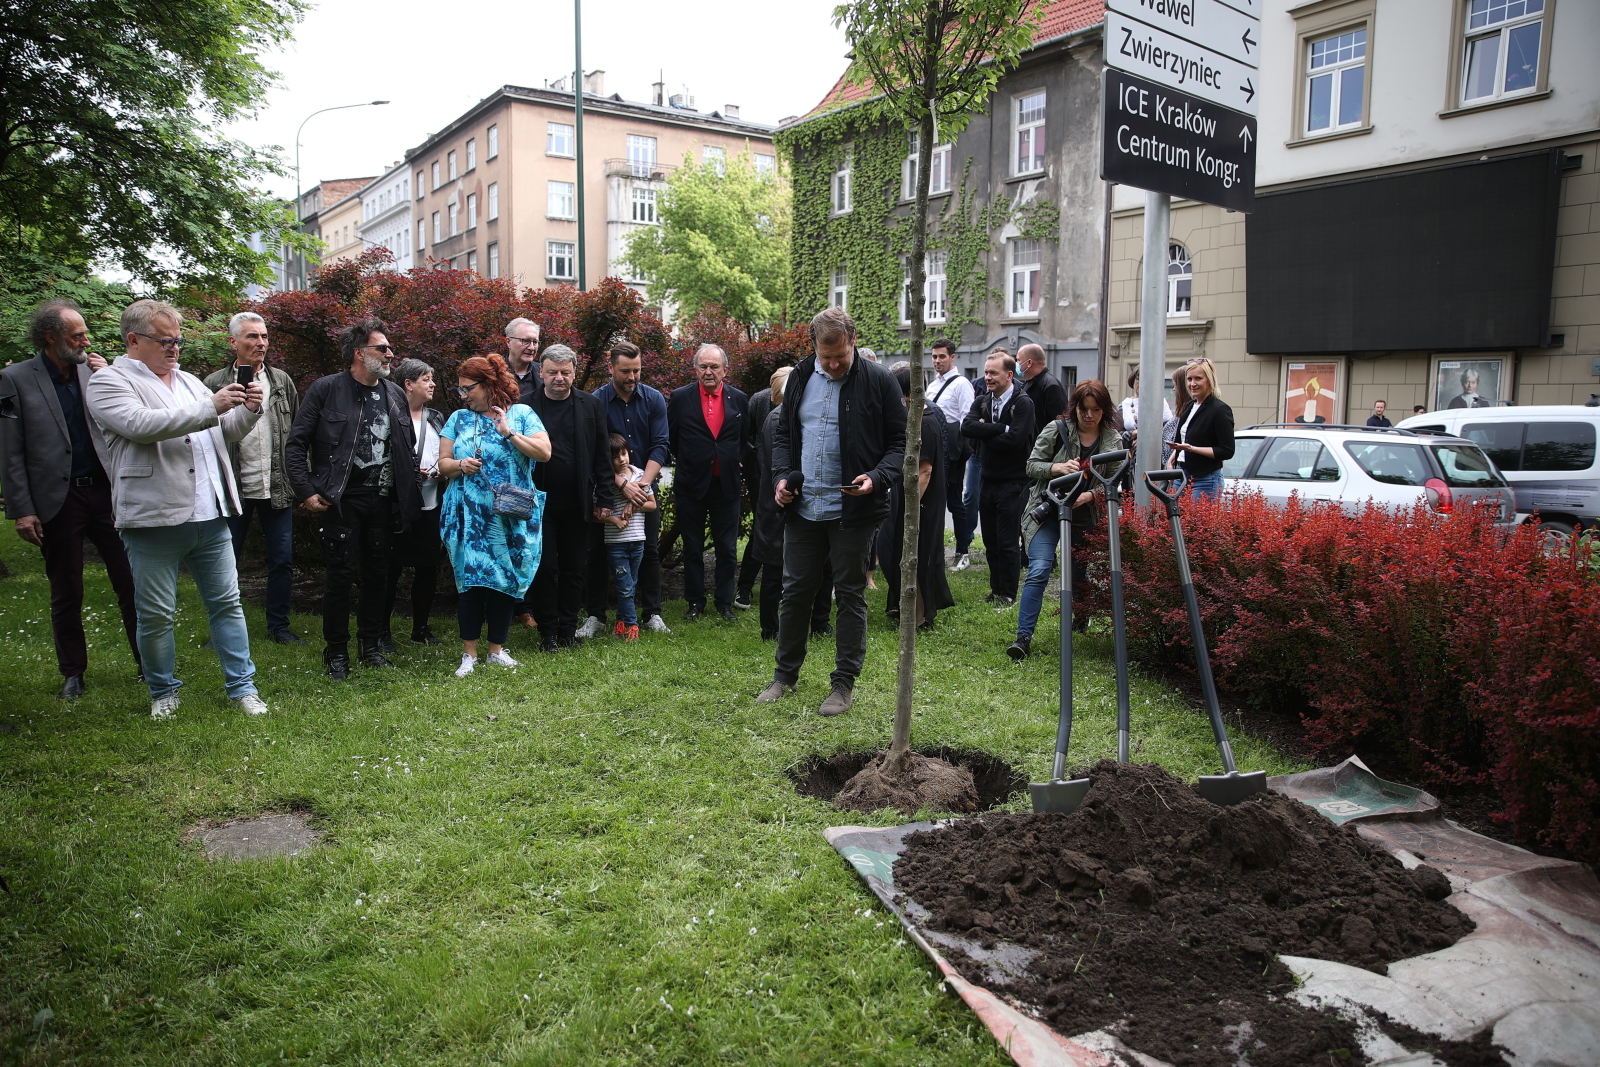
(351, 461)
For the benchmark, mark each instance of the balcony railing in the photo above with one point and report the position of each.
(638, 168)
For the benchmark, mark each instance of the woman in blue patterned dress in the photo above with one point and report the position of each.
(492, 440)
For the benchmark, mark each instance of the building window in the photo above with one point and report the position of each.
(561, 198)
(1502, 49)
(1180, 280)
(558, 259)
(1024, 277)
(494, 142)
(455, 217)
(494, 260)
(472, 261)
(422, 235)
(472, 153)
(420, 186)
(450, 163)
(938, 172)
(641, 155)
(1336, 78)
(1030, 133)
(841, 182)
(472, 210)
(765, 164)
(933, 289)
(715, 158)
(644, 205)
(559, 139)
(839, 296)
(436, 174)
(494, 201)
(438, 233)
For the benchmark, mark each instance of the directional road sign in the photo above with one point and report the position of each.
(1167, 141)
(1232, 29)
(1146, 51)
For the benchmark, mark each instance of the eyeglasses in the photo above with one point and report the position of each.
(524, 340)
(171, 344)
(463, 390)
(387, 350)
(1196, 361)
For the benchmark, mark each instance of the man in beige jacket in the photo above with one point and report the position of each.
(173, 491)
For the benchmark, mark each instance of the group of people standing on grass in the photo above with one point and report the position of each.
(542, 496)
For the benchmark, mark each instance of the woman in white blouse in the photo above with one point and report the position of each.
(419, 546)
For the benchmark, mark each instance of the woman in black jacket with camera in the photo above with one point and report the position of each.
(1204, 438)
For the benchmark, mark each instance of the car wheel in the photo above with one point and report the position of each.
(1558, 534)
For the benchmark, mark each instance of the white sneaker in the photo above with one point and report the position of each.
(500, 659)
(657, 624)
(163, 708)
(963, 561)
(467, 663)
(251, 704)
(591, 628)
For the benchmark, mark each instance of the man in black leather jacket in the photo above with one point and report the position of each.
(350, 459)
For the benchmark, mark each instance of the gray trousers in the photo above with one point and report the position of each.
(814, 552)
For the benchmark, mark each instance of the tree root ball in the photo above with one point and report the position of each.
(924, 784)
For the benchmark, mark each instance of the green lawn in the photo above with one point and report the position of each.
(596, 858)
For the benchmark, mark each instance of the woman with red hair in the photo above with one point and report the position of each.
(487, 446)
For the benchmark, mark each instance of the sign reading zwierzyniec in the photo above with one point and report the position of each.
(1179, 98)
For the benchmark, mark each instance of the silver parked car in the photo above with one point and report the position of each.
(1352, 465)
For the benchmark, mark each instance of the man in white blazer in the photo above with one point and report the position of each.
(173, 492)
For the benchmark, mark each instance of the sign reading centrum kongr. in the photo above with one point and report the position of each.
(1170, 142)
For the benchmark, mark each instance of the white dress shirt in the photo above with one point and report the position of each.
(955, 394)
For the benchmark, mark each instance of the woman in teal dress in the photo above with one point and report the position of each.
(493, 440)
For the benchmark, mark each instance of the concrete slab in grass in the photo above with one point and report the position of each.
(260, 837)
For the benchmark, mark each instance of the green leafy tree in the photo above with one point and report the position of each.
(27, 279)
(112, 151)
(932, 64)
(723, 241)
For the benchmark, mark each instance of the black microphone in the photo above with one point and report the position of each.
(797, 482)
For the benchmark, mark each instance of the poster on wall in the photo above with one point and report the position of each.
(1470, 382)
(1312, 391)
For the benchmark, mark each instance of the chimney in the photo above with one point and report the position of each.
(730, 111)
(658, 89)
(594, 83)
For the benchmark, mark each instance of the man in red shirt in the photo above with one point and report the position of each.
(708, 428)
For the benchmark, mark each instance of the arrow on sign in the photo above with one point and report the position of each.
(1249, 89)
(1245, 37)
(1244, 136)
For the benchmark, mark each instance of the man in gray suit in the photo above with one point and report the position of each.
(168, 437)
(54, 466)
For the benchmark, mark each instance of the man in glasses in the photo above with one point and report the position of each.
(522, 356)
(54, 466)
(173, 492)
(351, 461)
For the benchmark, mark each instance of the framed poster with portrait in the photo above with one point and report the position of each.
(1313, 391)
(1470, 381)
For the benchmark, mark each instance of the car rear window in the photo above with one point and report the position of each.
(1466, 467)
(1244, 450)
(1501, 440)
(1558, 446)
(1390, 463)
(1296, 459)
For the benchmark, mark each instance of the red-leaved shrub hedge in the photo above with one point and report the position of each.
(1463, 648)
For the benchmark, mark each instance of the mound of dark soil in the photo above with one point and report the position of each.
(1159, 915)
(922, 783)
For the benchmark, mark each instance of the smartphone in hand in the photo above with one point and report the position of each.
(245, 375)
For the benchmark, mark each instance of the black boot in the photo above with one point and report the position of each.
(337, 659)
(371, 653)
(386, 645)
(1019, 649)
(423, 635)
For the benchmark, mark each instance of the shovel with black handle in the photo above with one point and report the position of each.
(1119, 615)
(1059, 795)
(1229, 787)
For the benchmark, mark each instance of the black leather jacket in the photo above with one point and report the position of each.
(323, 441)
(872, 434)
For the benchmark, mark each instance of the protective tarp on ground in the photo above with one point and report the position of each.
(1531, 969)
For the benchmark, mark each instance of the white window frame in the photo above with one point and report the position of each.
(472, 154)
(472, 210)
(1030, 275)
(438, 228)
(493, 134)
(763, 163)
(643, 205)
(715, 157)
(938, 183)
(840, 191)
(1180, 269)
(935, 290)
(1031, 128)
(561, 200)
(555, 135)
(642, 157)
(494, 201)
(421, 188)
(454, 209)
(422, 234)
(450, 163)
(436, 174)
(1336, 71)
(494, 259)
(555, 254)
(472, 261)
(1501, 31)
(839, 290)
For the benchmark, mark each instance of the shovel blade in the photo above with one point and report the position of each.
(1226, 789)
(1061, 797)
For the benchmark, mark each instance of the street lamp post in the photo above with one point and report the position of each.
(577, 107)
(298, 221)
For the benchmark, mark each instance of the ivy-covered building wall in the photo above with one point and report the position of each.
(1007, 205)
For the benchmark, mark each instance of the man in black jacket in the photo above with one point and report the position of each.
(842, 423)
(573, 477)
(708, 426)
(1002, 420)
(1045, 391)
(350, 458)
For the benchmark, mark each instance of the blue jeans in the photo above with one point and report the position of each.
(1041, 561)
(154, 553)
(625, 557)
(967, 521)
(1205, 487)
(277, 525)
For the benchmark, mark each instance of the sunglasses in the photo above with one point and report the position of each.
(387, 350)
(171, 344)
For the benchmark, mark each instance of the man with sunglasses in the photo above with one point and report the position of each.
(522, 356)
(173, 492)
(352, 461)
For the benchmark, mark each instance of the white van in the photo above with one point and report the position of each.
(1546, 451)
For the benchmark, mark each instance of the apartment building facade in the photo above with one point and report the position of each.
(1428, 211)
(386, 215)
(324, 214)
(496, 190)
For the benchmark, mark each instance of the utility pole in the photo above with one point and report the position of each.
(298, 220)
(577, 107)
